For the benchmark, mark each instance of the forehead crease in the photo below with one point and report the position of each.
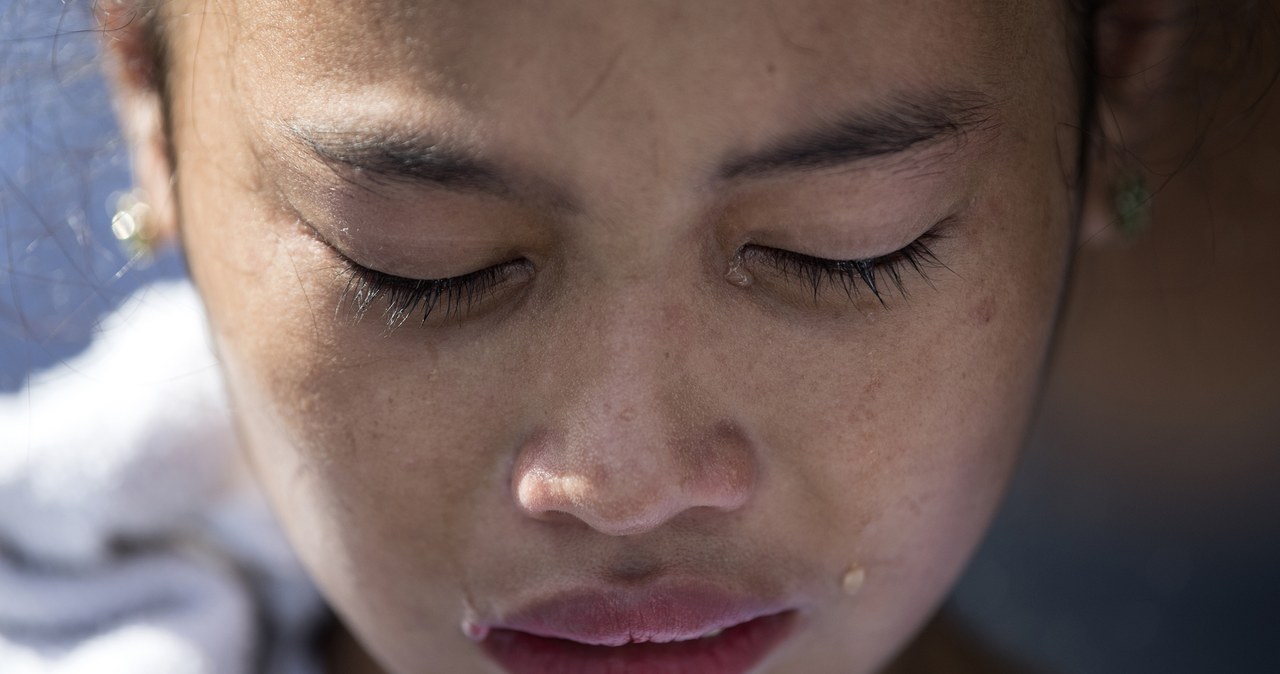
(342, 39)
(341, 33)
(719, 56)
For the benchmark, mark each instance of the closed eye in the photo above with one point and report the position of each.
(405, 298)
(878, 275)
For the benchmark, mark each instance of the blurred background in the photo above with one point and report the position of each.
(60, 162)
(1142, 532)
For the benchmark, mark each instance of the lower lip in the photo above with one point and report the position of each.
(734, 651)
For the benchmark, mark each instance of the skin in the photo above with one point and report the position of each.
(624, 415)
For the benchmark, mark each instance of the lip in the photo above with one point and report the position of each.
(639, 631)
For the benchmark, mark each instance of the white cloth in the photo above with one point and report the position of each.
(125, 544)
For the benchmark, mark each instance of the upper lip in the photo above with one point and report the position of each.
(614, 617)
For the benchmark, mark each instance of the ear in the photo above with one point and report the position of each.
(135, 69)
(1140, 69)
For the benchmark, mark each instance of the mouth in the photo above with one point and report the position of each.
(670, 632)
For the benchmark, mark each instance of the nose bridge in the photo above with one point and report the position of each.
(630, 442)
(625, 355)
(630, 348)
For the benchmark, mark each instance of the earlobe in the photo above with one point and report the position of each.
(1118, 200)
(134, 66)
(1138, 69)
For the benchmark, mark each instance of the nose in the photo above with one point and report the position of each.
(634, 433)
(622, 473)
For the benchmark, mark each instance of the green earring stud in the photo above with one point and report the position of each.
(1131, 199)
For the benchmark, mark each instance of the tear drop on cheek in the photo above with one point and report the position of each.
(473, 630)
(737, 274)
(853, 580)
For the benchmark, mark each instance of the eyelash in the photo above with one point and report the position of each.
(405, 296)
(875, 274)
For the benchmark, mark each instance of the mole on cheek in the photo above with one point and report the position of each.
(984, 310)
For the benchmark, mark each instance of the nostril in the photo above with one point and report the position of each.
(551, 497)
(609, 515)
(627, 483)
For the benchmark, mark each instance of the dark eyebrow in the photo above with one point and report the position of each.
(390, 156)
(904, 123)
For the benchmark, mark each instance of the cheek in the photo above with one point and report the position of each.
(366, 413)
(373, 449)
(900, 433)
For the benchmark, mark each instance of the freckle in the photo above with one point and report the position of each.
(771, 68)
(873, 386)
(985, 311)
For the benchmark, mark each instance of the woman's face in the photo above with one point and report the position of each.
(650, 412)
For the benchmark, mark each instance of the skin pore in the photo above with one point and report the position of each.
(650, 390)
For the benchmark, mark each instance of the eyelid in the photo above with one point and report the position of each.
(851, 275)
(405, 297)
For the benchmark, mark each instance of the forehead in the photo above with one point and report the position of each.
(342, 33)
(646, 82)
(472, 48)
